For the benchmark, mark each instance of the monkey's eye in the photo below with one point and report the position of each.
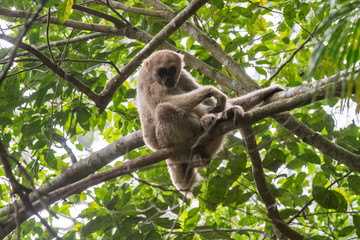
(162, 72)
(172, 70)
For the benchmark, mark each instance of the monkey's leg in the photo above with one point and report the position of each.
(252, 99)
(175, 126)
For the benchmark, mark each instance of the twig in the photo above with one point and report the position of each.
(91, 60)
(293, 54)
(62, 141)
(118, 14)
(153, 185)
(25, 70)
(47, 35)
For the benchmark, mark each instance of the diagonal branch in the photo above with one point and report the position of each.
(263, 189)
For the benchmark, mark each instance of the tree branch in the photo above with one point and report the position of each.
(261, 185)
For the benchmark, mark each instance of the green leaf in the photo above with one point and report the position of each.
(64, 10)
(289, 14)
(300, 178)
(83, 117)
(286, 213)
(216, 191)
(243, 11)
(166, 223)
(261, 71)
(342, 203)
(320, 179)
(304, 10)
(346, 231)
(354, 184)
(274, 159)
(310, 157)
(96, 224)
(356, 221)
(294, 148)
(326, 198)
(244, 197)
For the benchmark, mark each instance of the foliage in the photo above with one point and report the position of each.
(41, 114)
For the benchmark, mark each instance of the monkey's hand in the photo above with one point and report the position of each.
(220, 99)
(236, 113)
(207, 121)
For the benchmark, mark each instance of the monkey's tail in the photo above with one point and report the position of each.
(183, 176)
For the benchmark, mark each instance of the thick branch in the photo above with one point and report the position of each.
(261, 185)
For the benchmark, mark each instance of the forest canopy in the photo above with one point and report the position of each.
(73, 162)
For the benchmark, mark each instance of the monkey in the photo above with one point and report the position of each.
(174, 108)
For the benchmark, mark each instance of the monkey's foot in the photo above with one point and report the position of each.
(236, 113)
(207, 121)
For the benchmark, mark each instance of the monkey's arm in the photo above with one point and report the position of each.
(188, 83)
(187, 101)
(252, 99)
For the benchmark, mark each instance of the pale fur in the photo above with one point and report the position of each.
(172, 114)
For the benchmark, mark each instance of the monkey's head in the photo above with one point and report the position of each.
(165, 67)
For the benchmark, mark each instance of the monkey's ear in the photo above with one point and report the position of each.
(182, 57)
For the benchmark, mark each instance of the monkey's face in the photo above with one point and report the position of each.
(165, 67)
(167, 76)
